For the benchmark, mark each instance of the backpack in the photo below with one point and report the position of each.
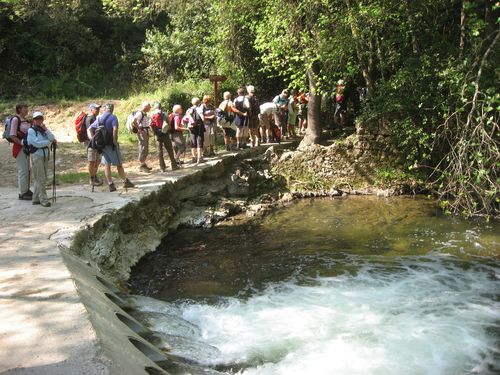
(81, 127)
(130, 122)
(101, 137)
(171, 122)
(254, 106)
(8, 124)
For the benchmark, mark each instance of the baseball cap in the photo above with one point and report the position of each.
(37, 114)
(94, 106)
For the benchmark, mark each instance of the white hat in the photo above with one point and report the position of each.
(145, 104)
(37, 114)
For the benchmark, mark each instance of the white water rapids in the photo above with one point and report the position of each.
(424, 315)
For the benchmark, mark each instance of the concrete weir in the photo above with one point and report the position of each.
(59, 308)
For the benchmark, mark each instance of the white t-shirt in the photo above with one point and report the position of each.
(239, 99)
(142, 119)
(268, 108)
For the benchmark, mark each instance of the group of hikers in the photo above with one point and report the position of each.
(245, 122)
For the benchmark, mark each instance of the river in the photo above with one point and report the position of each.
(362, 285)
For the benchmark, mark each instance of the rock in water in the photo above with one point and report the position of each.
(188, 348)
(167, 323)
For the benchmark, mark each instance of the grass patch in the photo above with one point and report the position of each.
(75, 177)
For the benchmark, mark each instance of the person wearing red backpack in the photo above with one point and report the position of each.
(93, 156)
(162, 134)
(177, 132)
(18, 133)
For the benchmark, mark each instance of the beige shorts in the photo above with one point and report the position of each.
(265, 122)
(92, 154)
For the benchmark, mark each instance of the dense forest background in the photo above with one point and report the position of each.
(430, 66)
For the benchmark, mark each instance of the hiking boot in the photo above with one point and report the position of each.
(112, 187)
(45, 204)
(25, 196)
(29, 193)
(36, 202)
(97, 182)
(175, 167)
(128, 184)
(94, 181)
(144, 168)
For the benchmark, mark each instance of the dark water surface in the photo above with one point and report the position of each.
(362, 285)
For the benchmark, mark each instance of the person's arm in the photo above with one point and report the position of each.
(114, 124)
(36, 141)
(91, 129)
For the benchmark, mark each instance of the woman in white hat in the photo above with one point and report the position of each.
(39, 140)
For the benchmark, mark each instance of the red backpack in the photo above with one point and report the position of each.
(81, 127)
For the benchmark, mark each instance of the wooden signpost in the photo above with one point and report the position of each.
(216, 79)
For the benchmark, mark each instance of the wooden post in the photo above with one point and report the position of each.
(216, 80)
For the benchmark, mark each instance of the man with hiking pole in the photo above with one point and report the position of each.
(39, 140)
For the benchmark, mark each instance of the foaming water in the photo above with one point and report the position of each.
(336, 287)
(413, 316)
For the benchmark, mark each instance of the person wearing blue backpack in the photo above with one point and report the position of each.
(39, 141)
(105, 127)
(19, 126)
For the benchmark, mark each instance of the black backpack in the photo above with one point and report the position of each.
(101, 137)
(254, 106)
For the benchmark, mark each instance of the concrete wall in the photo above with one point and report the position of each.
(101, 254)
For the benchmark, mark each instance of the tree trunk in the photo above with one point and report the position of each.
(313, 131)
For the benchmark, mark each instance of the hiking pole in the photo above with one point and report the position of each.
(53, 146)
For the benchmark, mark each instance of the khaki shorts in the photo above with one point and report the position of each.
(92, 154)
(265, 122)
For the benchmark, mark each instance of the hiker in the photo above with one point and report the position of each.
(141, 123)
(93, 156)
(340, 116)
(226, 118)
(177, 133)
(302, 115)
(266, 115)
(293, 110)
(281, 116)
(194, 119)
(253, 117)
(210, 128)
(241, 108)
(39, 139)
(111, 154)
(18, 133)
(162, 134)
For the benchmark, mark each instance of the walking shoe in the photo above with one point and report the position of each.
(29, 193)
(25, 197)
(112, 187)
(175, 167)
(144, 168)
(97, 182)
(128, 184)
(94, 181)
(45, 204)
(36, 202)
